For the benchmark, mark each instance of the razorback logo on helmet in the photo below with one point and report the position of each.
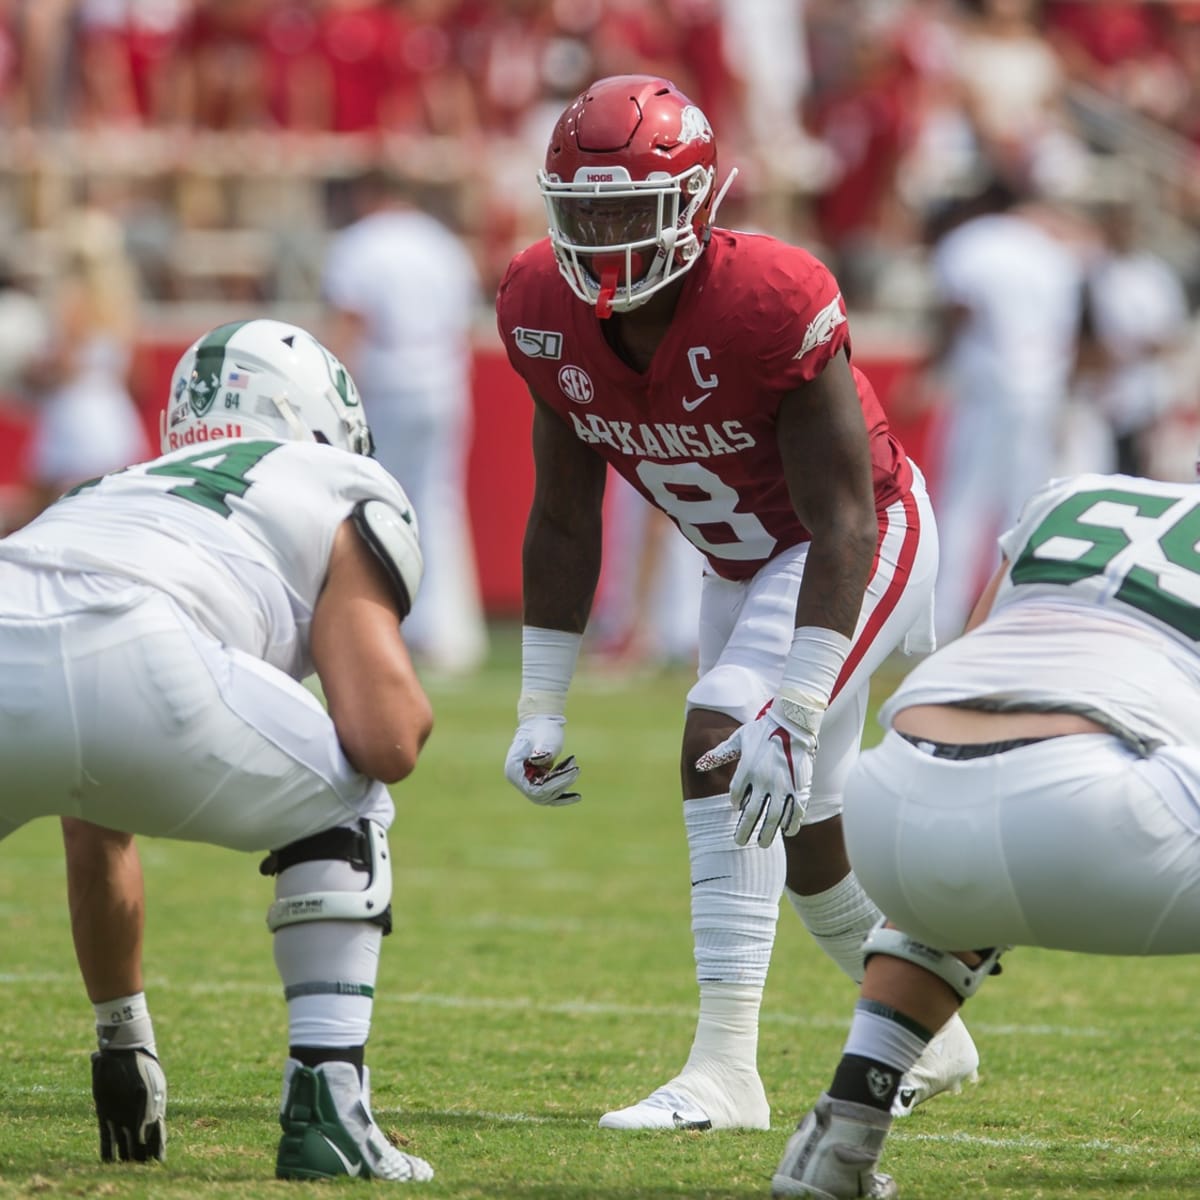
(820, 328)
(204, 433)
(693, 125)
(576, 384)
(538, 343)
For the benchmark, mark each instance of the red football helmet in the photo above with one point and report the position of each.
(628, 186)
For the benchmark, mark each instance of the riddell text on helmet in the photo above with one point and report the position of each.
(204, 433)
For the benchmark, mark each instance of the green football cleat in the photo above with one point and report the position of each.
(328, 1129)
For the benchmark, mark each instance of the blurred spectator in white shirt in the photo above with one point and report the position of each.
(403, 291)
(1013, 88)
(1136, 325)
(87, 421)
(767, 48)
(1010, 297)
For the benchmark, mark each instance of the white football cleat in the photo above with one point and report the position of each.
(949, 1061)
(702, 1096)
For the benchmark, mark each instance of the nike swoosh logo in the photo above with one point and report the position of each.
(352, 1169)
(786, 742)
(709, 879)
(692, 405)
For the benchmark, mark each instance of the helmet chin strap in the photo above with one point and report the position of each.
(712, 212)
(608, 289)
(610, 267)
(300, 431)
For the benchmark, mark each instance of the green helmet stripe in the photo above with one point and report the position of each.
(210, 366)
(210, 354)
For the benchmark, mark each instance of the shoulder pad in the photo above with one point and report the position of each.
(391, 534)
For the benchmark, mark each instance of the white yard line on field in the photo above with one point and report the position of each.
(569, 1008)
(1106, 1145)
(594, 1008)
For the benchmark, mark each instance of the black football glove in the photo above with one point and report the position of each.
(130, 1091)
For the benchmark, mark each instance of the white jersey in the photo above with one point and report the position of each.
(1098, 613)
(238, 534)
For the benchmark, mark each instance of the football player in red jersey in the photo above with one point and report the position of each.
(712, 369)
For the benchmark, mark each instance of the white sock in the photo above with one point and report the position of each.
(124, 1024)
(880, 1033)
(328, 968)
(727, 1029)
(735, 908)
(839, 919)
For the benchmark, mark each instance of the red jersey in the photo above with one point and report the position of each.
(695, 433)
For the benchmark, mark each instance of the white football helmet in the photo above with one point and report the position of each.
(263, 378)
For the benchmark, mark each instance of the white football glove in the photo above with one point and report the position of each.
(773, 780)
(530, 765)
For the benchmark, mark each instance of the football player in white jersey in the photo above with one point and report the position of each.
(154, 626)
(1038, 785)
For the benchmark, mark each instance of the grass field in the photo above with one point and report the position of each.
(540, 973)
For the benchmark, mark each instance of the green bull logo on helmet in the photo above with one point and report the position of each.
(202, 392)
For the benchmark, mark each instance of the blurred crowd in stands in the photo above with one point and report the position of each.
(851, 121)
(223, 139)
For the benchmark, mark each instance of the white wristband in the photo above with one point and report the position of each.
(813, 665)
(548, 659)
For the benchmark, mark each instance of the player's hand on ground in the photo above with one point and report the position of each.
(532, 766)
(130, 1092)
(773, 779)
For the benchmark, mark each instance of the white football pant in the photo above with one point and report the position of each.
(1073, 843)
(750, 625)
(117, 708)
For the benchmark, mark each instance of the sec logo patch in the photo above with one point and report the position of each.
(576, 385)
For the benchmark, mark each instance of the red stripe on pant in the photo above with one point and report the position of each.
(895, 589)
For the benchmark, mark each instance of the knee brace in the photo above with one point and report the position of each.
(732, 689)
(365, 848)
(963, 980)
